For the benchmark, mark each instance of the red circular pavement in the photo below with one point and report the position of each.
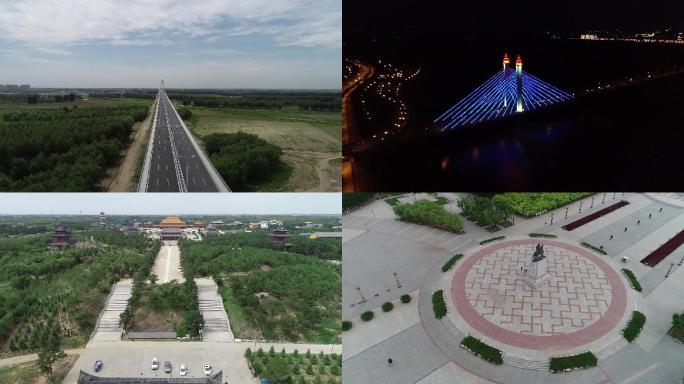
(598, 327)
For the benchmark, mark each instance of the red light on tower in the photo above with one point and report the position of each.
(506, 60)
(518, 61)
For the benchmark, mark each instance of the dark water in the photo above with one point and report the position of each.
(631, 138)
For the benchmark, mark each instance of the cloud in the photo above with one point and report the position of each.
(308, 23)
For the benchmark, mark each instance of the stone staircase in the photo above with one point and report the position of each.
(216, 323)
(108, 328)
(611, 348)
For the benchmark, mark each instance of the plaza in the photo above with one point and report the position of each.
(583, 304)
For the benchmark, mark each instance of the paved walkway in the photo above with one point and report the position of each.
(425, 350)
(216, 323)
(167, 265)
(108, 328)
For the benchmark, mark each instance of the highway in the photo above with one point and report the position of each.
(174, 162)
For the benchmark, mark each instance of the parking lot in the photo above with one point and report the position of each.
(133, 359)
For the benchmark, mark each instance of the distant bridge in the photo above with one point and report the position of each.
(507, 92)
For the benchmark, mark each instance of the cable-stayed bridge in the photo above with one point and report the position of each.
(507, 92)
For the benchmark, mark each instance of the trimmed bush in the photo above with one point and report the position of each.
(429, 213)
(632, 279)
(485, 212)
(405, 299)
(346, 325)
(450, 264)
(534, 204)
(351, 200)
(367, 316)
(438, 304)
(482, 350)
(483, 242)
(387, 307)
(634, 327)
(392, 201)
(441, 200)
(593, 248)
(544, 235)
(568, 363)
(678, 326)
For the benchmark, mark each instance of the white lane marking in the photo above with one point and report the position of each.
(205, 182)
(193, 181)
(157, 181)
(167, 182)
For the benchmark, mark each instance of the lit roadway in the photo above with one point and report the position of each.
(174, 161)
(349, 131)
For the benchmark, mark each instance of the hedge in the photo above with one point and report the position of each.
(430, 213)
(593, 248)
(483, 242)
(405, 299)
(346, 325)
(387, 307)
(634, 327)
(632, 279)
(367, 316)
(484, 351)
(544, 235)
(534, 204)
(351, 200)
(438, 304)
(441, 200)
(449, 264)
(567, 363)
(392, 201)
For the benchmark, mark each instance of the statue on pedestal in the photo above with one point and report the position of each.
(536, 274)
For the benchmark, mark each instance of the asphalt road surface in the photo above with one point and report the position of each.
(174, 161)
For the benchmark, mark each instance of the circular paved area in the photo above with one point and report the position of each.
(583, 300)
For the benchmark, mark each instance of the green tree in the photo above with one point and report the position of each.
(49, 354)
(276, 370)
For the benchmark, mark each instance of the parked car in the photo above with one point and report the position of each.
(97, 366)
(155, 364)
(207, 369)
(182, 370)
(167, 367)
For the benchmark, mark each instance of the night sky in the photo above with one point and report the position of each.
(382, 18)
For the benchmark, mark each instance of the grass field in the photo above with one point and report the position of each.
(311, 141)
(28, 373)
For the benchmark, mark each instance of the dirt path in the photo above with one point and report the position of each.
(311, 172)
(120, 179)
(32, 357)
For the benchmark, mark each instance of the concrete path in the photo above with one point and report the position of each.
(108, 328)
(216, 323)
(167, 265)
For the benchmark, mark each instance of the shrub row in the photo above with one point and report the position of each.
(534, 204)
(485, 351)
(483, 242)
(544, 235)
(568, 363)
(351, 200)
(441, 200)
(438, 304)
(483, 211)
(634, 327)
(369, 315)
(392, 201)
(593, 248)
(449, 264)
(430, 213)
(632, 279)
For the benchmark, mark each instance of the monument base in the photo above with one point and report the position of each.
(538, 282)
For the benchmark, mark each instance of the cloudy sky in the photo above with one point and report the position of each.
(193, 44)
(170, 203)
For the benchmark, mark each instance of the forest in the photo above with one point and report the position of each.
(39, 287)
(242, 98)
(269, 294)
(242, 159)
(63, 149)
